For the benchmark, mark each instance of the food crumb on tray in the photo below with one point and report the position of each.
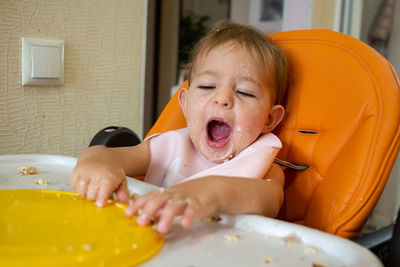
(41, 182)
(134, 195)
(250, 229)
(211, 218)
(292, 239)
(310, 250)
(317, 264)
(28, 170)
(268, 260)
(231, 237)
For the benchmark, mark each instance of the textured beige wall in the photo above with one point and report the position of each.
(102, 68)
(323, 14)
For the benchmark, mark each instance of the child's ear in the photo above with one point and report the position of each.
(274, 118)
(182, 98)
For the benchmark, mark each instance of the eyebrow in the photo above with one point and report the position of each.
(251, 80)
(214, 73)
(248, 79)
(207, 72)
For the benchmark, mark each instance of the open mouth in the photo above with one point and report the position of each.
(218, 133)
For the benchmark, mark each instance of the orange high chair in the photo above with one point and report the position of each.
(342, 120)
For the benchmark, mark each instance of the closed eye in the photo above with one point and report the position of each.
(206, 87)
(245, 94)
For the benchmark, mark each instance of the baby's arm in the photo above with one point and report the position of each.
(204, 196)
(254, 196)
(100, 171)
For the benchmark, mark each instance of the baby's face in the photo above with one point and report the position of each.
(228, 104)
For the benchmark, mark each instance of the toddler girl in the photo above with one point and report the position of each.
(223, 160)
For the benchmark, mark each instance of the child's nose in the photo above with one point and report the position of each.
(223, 98)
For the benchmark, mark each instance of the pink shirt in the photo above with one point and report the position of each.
(174, 159)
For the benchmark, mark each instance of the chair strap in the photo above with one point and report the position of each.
(294, 166)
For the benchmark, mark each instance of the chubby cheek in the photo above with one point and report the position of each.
(193, 119)
(243, 137)
(248, 129)
(195, 112)
(195, 126)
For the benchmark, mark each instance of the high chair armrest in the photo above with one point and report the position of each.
(115, 136)
(376, 238)
(384, 243)
(379, 242)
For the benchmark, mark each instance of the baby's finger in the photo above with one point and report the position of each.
(171, 209)
(92, 190)
(73, 179)
(151, 208)
(133, 208)
(104, 193)
(123, 192)
(81, 187)
(192, 212)
(138, 204)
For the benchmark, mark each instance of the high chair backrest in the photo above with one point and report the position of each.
(342, 119)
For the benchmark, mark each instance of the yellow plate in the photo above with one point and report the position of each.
(56, 228)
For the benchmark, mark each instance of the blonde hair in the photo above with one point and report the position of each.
(257, 43)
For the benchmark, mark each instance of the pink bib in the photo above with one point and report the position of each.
(174, 159)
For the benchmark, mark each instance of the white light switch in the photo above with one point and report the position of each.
(42, 61)
(45, 62)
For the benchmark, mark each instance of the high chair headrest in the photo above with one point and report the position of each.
(342, 120)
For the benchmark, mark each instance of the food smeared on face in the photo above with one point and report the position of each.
(229, 102)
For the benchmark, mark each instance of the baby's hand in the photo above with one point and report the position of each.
(97, 175)
(163, 206)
